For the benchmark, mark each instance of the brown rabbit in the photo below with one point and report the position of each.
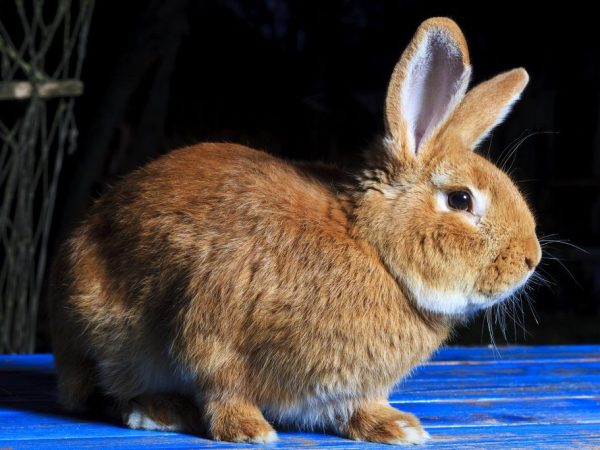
(223, 288)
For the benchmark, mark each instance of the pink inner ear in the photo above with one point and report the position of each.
(436, 80)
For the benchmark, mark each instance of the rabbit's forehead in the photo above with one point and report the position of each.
(470, 170)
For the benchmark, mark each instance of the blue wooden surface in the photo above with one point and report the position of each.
(516, 397)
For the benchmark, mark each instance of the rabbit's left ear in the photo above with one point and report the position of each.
(428, 83)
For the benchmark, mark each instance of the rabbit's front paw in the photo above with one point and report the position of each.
(377, 422)
(239, 422)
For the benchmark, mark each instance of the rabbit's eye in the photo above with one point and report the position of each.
(460, 200)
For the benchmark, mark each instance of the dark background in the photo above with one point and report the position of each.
(307, 80)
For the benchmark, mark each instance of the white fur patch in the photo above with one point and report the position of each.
(441, 201)
(440, 179)
(444, 302)
(454, 303)
(480, 202)
(389, 192)
(266, 438)
(412, 435)
(137, 420)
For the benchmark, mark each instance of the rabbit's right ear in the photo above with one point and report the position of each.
(427, 84)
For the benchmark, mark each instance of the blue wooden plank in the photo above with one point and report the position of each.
(467, 397)
(483, 391)
(514, 369)
(36, 363)
(560, 410)
(506, 411)
(535, 354)
(498, 437)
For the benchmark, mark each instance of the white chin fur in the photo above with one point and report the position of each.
(448, 303)
(457, 303)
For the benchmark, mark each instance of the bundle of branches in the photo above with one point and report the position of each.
(42, 46)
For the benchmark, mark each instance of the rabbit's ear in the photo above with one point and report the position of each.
(485, 106)
(427, 84)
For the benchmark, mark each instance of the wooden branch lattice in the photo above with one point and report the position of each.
(33, 146)
(17, 90)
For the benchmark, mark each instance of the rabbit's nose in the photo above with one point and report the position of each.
(529, 263)
(533, 253)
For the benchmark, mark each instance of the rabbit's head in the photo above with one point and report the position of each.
(451, 227)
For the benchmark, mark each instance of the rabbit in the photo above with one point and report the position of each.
(223, 290)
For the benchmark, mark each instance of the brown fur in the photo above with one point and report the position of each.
(247, 285)
(378, 422)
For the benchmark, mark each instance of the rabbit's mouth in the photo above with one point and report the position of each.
(484, 301)
(512, 291)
